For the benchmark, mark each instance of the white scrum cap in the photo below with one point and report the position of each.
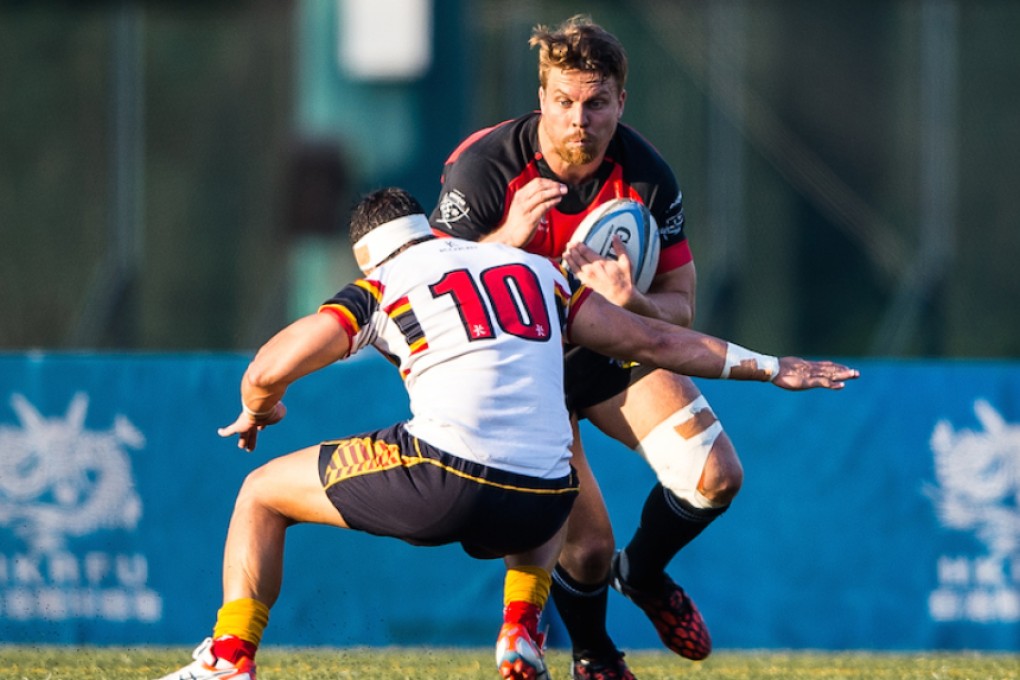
(378, 244)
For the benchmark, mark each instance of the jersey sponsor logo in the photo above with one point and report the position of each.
(675, 220)
(977, 491)
(453, 207)
(60, 482)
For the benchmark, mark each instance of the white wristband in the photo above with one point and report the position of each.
(743, 364)
(257, 415)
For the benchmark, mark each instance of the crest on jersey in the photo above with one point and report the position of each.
(453, 207)
(977, 490)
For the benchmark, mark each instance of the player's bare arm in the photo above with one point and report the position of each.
(305, 346)
(670, 297)
(526, 210)
(606, 328)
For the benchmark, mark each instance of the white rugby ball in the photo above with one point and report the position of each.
(634, 224)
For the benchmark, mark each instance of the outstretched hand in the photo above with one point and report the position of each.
(247, 428)
(800, 374)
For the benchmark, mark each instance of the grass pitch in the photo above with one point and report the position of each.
(278, 663)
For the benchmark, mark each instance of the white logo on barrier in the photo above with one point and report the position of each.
(978, 476)
(60, 481)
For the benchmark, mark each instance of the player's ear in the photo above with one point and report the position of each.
(623, 100)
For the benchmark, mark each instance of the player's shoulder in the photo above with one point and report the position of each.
(438, 251)
(635, 151)
(502, 253)
(647, 171)
(509, 141)
(419, 261)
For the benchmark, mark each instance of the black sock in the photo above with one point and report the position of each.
(667, 524)
(583, 610)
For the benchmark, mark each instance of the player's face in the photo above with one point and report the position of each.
(580, 111)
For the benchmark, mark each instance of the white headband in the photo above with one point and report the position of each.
(378, 244)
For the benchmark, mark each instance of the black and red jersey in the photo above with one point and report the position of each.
(482, 175)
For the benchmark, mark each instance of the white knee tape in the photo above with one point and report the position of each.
(679, 446)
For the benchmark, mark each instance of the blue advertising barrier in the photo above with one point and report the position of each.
(881, 517)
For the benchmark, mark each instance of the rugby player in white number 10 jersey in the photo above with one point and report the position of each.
(477, 333)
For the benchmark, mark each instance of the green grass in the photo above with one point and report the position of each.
(279, 663)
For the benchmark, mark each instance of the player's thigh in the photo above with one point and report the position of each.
(630, 415)
(290, 485)
(589, 519)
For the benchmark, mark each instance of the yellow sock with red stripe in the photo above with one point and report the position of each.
(239, 628)
(525, 592)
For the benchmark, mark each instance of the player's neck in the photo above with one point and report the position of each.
(569, 173)
(574, 175)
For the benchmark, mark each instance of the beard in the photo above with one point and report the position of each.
(573, 154)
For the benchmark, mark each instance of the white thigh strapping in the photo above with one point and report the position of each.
(679, 446)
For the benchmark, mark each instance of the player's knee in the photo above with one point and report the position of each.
(693, 458)
(253, 491)
(723, 474)
(588, 561)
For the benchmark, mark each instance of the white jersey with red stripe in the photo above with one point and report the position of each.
(477, 331)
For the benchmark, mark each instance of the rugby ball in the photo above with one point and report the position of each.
(634, 224)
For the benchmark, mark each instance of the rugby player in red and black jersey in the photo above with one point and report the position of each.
(528, 182)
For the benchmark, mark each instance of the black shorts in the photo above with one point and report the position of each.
(390, 483)
(590, 378)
